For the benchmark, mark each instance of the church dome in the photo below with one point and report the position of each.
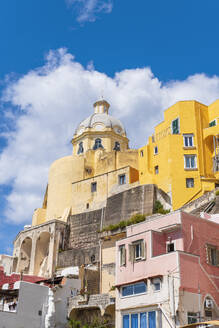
(101, 120)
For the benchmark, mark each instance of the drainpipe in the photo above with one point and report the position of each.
(199, 303)
(172, 299)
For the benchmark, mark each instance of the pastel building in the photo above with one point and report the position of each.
(182, 156)
(167, 272)
(101, 165)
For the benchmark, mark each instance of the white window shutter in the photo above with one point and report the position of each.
(143, 249)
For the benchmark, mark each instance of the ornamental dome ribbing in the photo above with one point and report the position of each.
(101, 120)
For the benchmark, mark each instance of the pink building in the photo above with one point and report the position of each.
(167, 272)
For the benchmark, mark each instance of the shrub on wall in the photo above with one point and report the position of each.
(137, 218)
(158, 208)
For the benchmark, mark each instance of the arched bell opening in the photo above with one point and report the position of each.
(41, 255)
(25, 255)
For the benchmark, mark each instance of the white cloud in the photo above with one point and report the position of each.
(87, 10)
(50, 101)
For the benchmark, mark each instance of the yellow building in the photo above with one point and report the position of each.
(182, 156)
(101, 165)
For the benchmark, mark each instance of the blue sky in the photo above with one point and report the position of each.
(58, 57)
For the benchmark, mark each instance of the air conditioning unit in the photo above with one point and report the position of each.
(209, 304)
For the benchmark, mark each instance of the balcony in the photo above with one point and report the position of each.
(101, 301)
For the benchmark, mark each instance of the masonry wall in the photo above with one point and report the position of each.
(82, 240)
(123, 205)
(82, 244)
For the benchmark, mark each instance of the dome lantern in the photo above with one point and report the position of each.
(101, 107)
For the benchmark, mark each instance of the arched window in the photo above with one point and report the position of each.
(80, 148)
(117, 146)
(98, 144)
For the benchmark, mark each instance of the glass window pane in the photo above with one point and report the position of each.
(127, 290)
(187, 162)
(126, 321)
(192, 161)
(137, 250)
(140, 288)
(152, 319)
(134, 320)
(143, 320)
(157, 286)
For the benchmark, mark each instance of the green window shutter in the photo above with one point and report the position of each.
(217, 254)
(208, 250)
(212, 123)
(175, 126)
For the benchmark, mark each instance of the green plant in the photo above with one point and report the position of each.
(158, 208)
(96, 323)
(137, 218)
(113, 287)
(217, 192)
(74, 323)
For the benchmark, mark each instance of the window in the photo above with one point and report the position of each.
(170, 247)
(117, 146)
(189, 183)
(122, 255)
(133, 289)
(142, 153)
(122, 179)
(80, 148)
(140, 320)
(93, 186)
(125, 321)
(190, 162)
(212, 255)
(156, 169)
(156, 282)
(208, 314)
(155, 150)
(137, 251)
(188, 140)
(175, 126)
(192, 317)
(213, 123)
(97, 144)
